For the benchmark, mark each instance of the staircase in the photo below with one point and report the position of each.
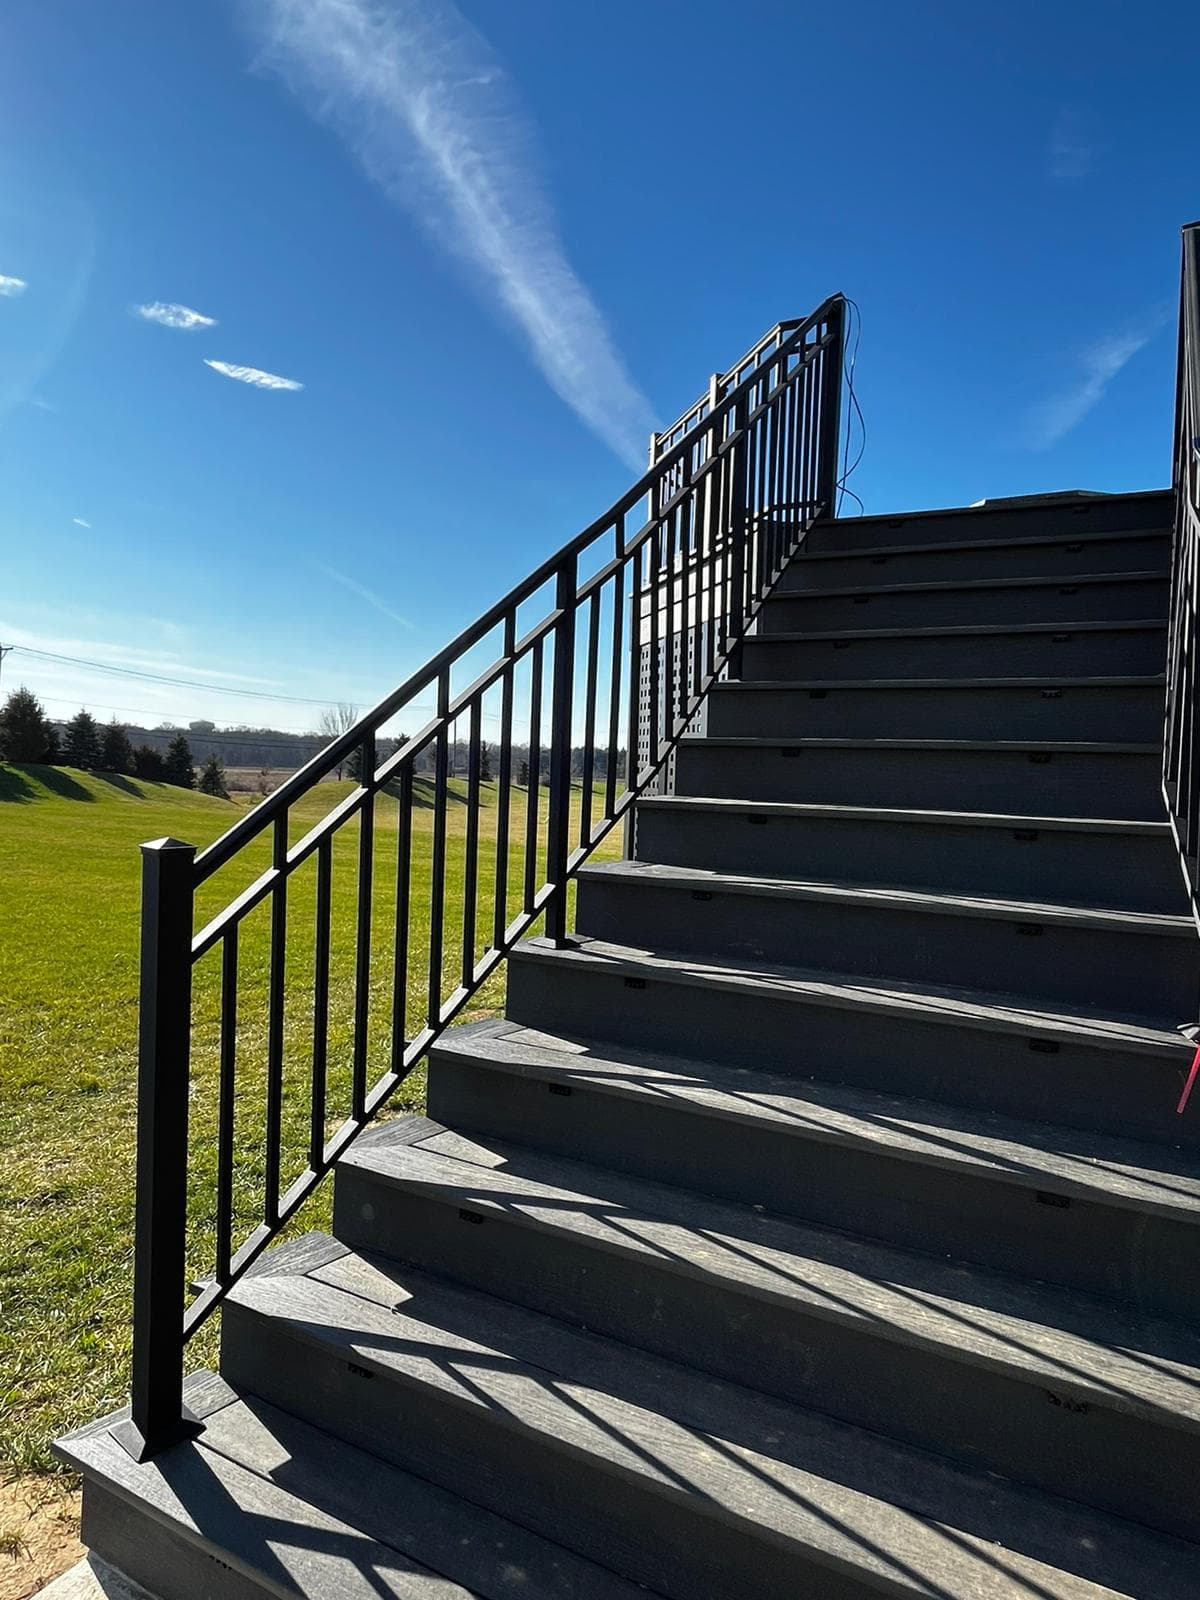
(816, 1222)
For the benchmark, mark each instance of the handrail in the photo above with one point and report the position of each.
(1181, 741)
(607, 677)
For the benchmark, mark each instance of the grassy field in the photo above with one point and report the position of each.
(68, 1020)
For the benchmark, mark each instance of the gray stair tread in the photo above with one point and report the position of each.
(953, 1007)
(802, 810)
(1031, 680)
(940, 546)
(909, 1522)
(932, 902)
(1066, 1160)
(1003, 746)
(310, 1515)
(944, 585)
(1101, 1354)
(971, 630)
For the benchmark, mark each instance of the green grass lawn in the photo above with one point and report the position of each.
(69, 873)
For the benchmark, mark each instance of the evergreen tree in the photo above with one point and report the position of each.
(53, 756)
(212, 778)
(178, 763)
(148, 763)
(485, 764)
(116, 752)
(355, 766)
(82, 745)
(26, 734)
(523, 775)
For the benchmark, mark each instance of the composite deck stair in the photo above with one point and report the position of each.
(816, 1224)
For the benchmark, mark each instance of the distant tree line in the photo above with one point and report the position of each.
(29, 737)
(171, 754)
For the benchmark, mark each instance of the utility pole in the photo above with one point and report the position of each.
(4, 649)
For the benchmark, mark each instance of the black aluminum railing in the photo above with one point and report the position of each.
(296, 971)
(1181, 743)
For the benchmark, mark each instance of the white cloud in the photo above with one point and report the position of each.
(1072, 152)
(174, 316)
(1099, 364)
(433, 119)
(80, 523)
(363, 593)
(253, 376)
(11, 287)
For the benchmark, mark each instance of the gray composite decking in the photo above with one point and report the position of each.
(817, 1225)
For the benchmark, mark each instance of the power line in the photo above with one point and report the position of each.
(158, 677)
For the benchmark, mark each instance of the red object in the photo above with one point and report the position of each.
(1189, 1085)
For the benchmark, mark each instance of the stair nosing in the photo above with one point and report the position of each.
(846, 991)
(1035, 541)
(1003, 746)
(834, 1111)
(983, 630)
(893, 898)
(1030, 681)
(801, 809)
(950, 585)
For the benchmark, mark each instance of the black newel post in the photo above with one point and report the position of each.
(831, 408)
(158, 1417)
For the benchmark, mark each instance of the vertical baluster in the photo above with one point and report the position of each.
(404, 817)
(504, 782)
(273, 1134)
(226, 1102)
(362, 961)
(471, 846)
(589, 721)
(558, 833)
(614, 682)
(437, 875)
(672, 645)
(535, 775)
(655, 669)
(318, 1094)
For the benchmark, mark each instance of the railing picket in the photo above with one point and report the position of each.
(616, 669)
(437, 872)
(588, 775)
(504, 784)
(471, 845)
(226, 1091)
(273, 1131)
(362, 953)
(562, 699)
(320, 1051)
(534, 764)
(404, 818)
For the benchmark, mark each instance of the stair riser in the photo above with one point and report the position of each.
(1129, 871)
(160, 1559)
(1067, 560)
(1067, 784)
(1133, 653)
(1143, 974)
(1118, 1091)
(988, 1419)
(1074, 712)
(935, 608)
(662, 1537)
(1118, 515)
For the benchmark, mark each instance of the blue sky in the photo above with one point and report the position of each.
(491, 247)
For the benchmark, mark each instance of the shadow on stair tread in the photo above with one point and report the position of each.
(299, 1511)
(539, 1404)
